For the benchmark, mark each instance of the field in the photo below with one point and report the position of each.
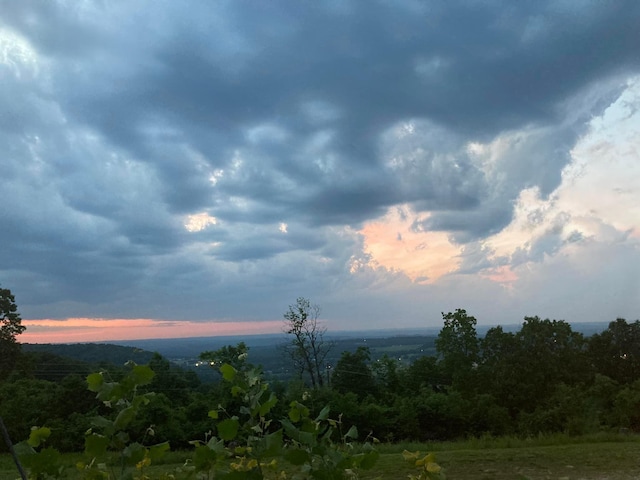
(617, 458)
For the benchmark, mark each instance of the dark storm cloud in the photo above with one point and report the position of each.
(209, 73)
(134, 116)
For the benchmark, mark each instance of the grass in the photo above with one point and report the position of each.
(558, 457)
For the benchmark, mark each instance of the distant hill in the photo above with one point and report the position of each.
(92, 353)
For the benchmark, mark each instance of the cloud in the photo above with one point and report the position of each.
(233, 156)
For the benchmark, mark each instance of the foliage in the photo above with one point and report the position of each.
(308, 348)
(615, 352)
(544, 379)
(111, 434)
(10, 327)
(458, 347)
(353, 374)
(249, 443)
(42, 462)
(427, 467)
(10, 321)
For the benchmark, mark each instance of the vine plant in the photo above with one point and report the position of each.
(248, 443)
(108, 435)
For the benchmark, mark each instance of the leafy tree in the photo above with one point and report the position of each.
(499, 356)
(10, 321)
(424, 373)
(458, 346)
(352, 373)
(10, 327)
(386, 373)
(308, 348)
(524, 370)
(616, 351)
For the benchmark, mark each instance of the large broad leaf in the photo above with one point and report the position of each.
(95, 445)
(95, 381)
(124, 418)
(268, 405)
(156, 452)
(38, 436)
(228, 429)
(204, 458)
(134, 453)
(45, 464)
(142, 374)
(103, 423)
(352, 433)
(23, 449)
(297, 411)
(228, 372)
(324, 414)
(273, 444)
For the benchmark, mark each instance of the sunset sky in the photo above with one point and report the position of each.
(191, 168)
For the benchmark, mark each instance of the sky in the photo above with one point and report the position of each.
(176, 169)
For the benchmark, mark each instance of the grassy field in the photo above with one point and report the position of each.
(558, 458)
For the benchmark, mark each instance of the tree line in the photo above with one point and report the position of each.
(543, 378)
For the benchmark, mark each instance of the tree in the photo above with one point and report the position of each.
(308, 348)
(353, 374)
(10, 327)
(458, 346)
(616, 351)
(533, 363)
(10, 321)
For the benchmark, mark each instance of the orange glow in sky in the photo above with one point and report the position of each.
(79, 330)
(394, 244)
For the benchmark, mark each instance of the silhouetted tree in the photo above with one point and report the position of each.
(352, 373)
(308, 348)
(10, 327)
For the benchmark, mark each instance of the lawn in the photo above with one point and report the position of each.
(605, 460)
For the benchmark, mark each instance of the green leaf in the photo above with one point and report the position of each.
(236, 390)
(273, 443)
(352, 433)
(38, 436)
(103, 423)
(204, 458)
(228, 429)
(142, 374)
(156, 452)
(268, 405)
(95, 445)
(324, 414)
(213, 414)
(23, 449)
(124, 418)
(134, 453)
(45, 464)
(228, 372)
(217, 445)
(294, 415)
(297, 411)
(297, 456)
(253, 376)
(95, 382)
